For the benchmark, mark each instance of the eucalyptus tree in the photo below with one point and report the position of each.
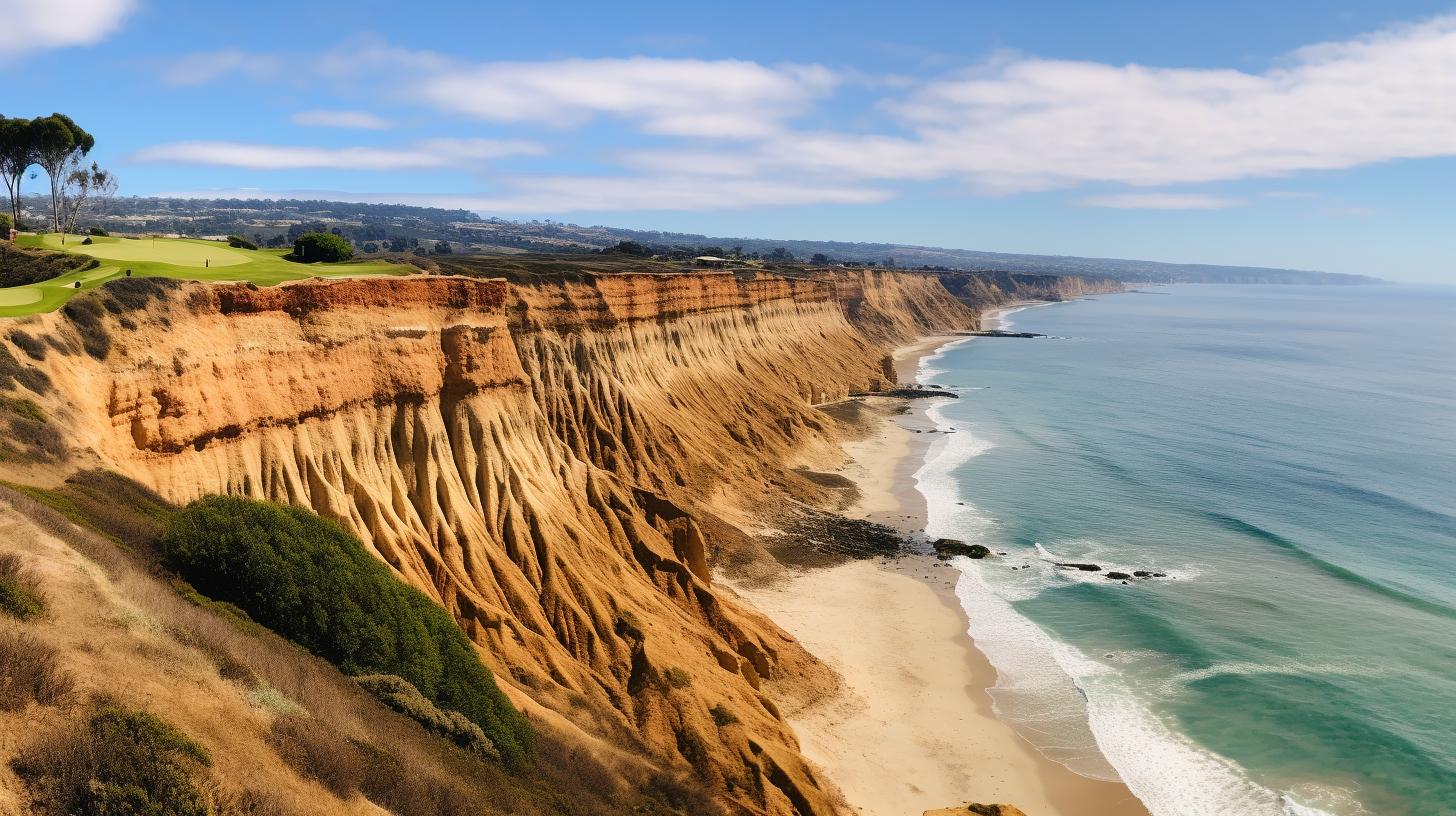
(60, 144)
(17, 154)
(83, 185)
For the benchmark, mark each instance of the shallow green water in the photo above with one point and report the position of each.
(1287, 455)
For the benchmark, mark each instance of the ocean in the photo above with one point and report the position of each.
(1286, 456)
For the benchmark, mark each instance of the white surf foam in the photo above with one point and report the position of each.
(1075, 710)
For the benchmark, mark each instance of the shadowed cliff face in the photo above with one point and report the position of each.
(533, 456)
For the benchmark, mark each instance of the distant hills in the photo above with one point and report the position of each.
(390, 227)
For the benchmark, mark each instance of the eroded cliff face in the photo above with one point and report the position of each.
(531, 456)
(980, 289)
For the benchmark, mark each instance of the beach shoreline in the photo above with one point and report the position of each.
(912, 728)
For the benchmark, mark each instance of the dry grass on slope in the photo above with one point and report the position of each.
(284, 732)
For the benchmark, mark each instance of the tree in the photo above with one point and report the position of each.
(371, 247)
(17, 154)
(83, 184)
(819, 259)
(59, 143)
(325, 247)
(443, 248)
(631, 248)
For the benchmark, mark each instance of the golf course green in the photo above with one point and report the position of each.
(185, 258)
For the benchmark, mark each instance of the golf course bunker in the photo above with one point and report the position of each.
(176, 252)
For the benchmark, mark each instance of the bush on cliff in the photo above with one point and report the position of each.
(124, 762)
(321, 247)
(307, 579)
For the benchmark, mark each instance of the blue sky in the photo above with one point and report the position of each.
(1307, 134)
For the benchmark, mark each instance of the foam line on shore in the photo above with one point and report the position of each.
(1075, 710)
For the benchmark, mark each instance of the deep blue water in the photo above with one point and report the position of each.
(1287, 455)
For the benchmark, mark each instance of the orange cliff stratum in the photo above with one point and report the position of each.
(541, 458)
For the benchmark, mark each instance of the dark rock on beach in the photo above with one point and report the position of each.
(1000, 333)
(1117, 576)
(950, 547)
(907, 393)
(1082, 567)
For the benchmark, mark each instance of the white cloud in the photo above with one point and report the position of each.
(680, 97)
(1161, 201)
(1035, 124)
(39, 25)
(354, 120)
(563, 194)
(422, 155)
(1014, 124)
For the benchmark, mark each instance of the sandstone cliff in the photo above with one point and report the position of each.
(541, 457)
(978, 288)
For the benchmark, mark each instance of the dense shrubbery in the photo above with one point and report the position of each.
(307, 579)
(398, 694)
(30, 672)
(321, 247)
(123, 763)
(22, 267)
(99, 232)
(239, 242)
(19, 594)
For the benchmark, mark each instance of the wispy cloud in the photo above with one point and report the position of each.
(1013, 124)
(40, 25)
(353, 120)
(1161, 201)
(1035, 123)
(202, 67)
(730, 99)
(534, 195)
(423, 155)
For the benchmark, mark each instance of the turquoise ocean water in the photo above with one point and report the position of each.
(1287, 455)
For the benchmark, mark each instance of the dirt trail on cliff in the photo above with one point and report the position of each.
(543, 459)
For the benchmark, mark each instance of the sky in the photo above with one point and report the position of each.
(1312, 134)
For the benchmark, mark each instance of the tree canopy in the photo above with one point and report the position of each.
(321, 247)
(54, 142)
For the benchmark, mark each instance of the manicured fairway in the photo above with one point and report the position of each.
(176, 252)
(184, 258)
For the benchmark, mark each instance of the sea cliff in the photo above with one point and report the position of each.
(551, 460)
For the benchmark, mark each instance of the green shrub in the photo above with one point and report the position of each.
(722, 716)
(30, 671)
(307, 579)
(99, 232)
(87, 242)
(122, 763)
(321, 247)
(22, 407)
(677, 678)
(239, 242)
(6, 222)
(400, 695)
(20, 594)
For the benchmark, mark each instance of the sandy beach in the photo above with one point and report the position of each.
(912, 729)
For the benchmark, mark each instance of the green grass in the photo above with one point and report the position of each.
(185, 258)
